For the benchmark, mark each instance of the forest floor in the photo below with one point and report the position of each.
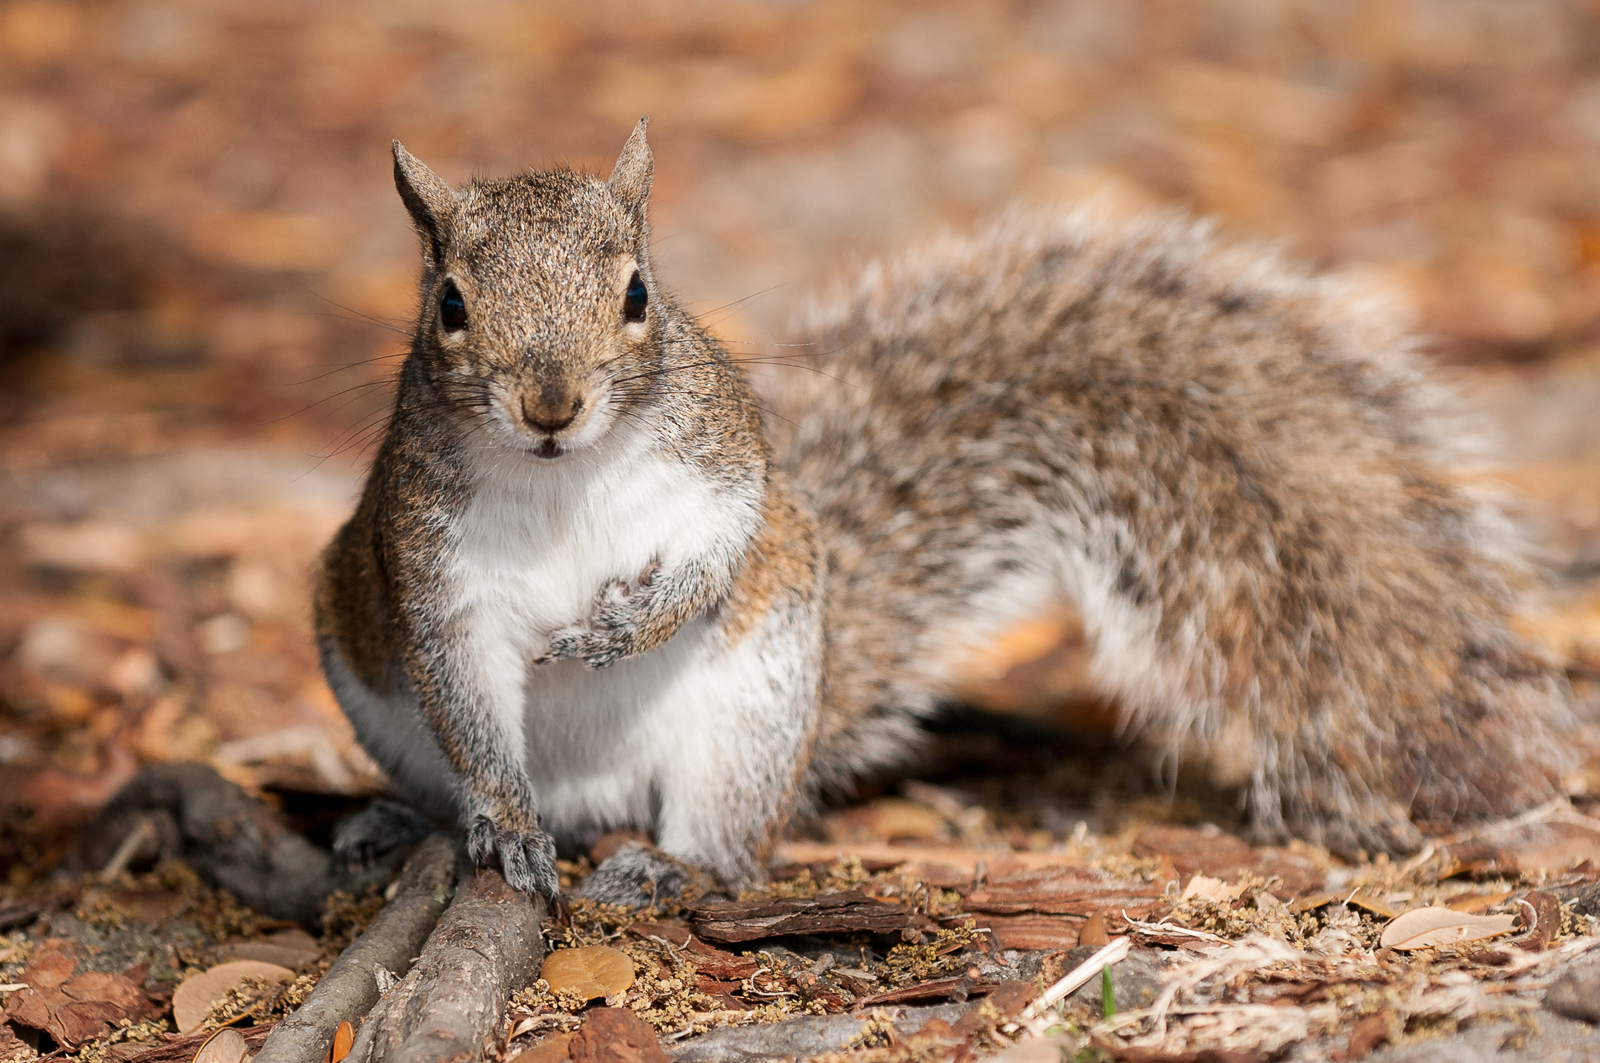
(205, 279)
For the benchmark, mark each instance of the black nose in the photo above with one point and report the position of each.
(551, 413)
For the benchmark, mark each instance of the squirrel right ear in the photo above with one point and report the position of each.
(430, 201)
(630, 178)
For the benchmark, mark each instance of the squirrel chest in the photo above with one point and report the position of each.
(532, 542)
(529, 548)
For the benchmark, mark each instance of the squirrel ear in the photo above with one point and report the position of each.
(430, 201)
(630, 178)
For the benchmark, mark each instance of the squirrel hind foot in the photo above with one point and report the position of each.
(641, 876)
(362, 840)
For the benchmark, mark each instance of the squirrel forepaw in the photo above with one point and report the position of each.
(526, 857)
(597, 648)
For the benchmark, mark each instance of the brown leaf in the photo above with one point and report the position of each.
(194, 997)
(885, 819)
(616, 1035)
(225, 1046)
(343, 1038)
(1094, 931)
(1422, 928)
(1477, 902)
(84, 1020)
(114, 989)
(183, 1049)
(594, 972)
(50, 967)
(1368, 1034)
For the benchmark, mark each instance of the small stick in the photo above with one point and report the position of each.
(486, 947)
(1076, 978)
(350, 988)
(118, 863)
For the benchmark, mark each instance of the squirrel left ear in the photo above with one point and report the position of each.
(630, 177)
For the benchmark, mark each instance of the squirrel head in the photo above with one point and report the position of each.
(538, 302)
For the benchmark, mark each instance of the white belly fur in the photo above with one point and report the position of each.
(535, 545)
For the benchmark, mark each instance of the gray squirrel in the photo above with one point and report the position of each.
(588, 588)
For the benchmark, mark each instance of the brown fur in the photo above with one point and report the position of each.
(1245, 461)
(1233, 472)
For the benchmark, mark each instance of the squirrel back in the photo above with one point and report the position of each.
(1240, 476)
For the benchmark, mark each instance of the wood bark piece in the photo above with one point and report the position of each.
(486, 947)
(827, 913)
(349, 990)
(1079, 891)
(801, 1038)
(616, 1035)
(960, 988)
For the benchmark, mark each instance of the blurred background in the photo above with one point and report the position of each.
(206, 276)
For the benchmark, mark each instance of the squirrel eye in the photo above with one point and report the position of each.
(452, 308)
(634, 299)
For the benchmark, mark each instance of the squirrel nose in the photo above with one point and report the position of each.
(551, 413)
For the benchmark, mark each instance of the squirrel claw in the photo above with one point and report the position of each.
(527, 858)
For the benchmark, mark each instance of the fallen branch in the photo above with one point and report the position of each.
(802, 1038)
(350, 988)
(485, 948)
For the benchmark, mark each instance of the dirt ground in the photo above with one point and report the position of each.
(206, 279)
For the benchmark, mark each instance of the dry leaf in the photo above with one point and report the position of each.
(225, 1046)
(1422, 928)
(1094, 931)
(1210, 889)
(1477, 902)
(593, 972)
(886, 819)
(343, 1038)
(194, 997)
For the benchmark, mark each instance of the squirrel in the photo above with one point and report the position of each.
(589, 587)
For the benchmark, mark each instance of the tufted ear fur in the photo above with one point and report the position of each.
(431, 202)
(630, 178)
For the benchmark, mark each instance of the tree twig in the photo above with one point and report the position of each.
(350, 988)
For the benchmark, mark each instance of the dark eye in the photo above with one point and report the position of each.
(635, 299)
(452, 308)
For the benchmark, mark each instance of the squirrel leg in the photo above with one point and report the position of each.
(729, 789)
(468, 683)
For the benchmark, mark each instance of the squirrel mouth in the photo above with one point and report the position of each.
(548, 448)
